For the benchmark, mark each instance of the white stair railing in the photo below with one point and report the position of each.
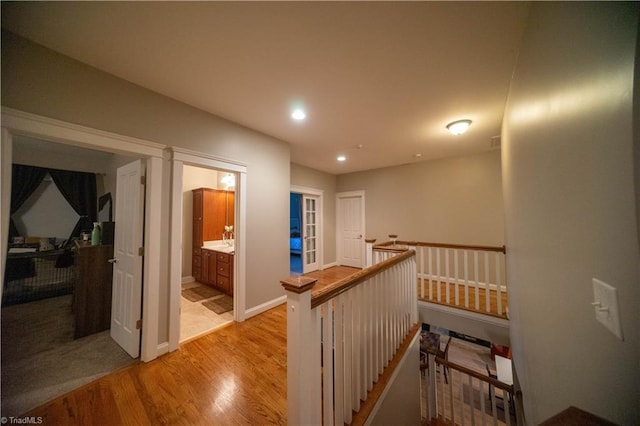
(340, 340)
(468, 277)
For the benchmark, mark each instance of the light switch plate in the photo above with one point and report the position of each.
(605, 303)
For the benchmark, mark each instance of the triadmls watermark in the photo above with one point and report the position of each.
(26, 420)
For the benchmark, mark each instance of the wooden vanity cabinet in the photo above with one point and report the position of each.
(224, 272)
(213, 209)
(217, 270)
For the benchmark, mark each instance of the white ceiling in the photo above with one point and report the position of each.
(385, 75)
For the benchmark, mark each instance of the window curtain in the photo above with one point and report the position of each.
(78, 188)
(24, 181)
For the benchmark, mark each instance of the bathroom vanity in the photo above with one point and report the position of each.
(212, 256)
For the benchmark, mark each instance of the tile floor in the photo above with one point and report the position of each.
(196, 320)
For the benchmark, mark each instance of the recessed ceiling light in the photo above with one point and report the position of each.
(341, 158)
(458, 127)
(298, 114)
(418, 155)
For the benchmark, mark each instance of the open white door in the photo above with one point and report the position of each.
(310, 242)
(350, 229)
(127, 261)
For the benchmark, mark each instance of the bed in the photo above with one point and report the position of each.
(31, 274)
(295, 240)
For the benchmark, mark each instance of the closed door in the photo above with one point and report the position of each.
(127, 261)
(351, 230)
(310, 240)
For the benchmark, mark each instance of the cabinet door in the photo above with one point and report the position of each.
(196, 264)
(230, 211)
(211, 267)
(197, 218)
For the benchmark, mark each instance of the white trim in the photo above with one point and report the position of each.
(189, 279)
(411, 351)
(330, 265)
(6, 151)
(350, 194)
(152, 262)
(175, 259)
(163, 348)
(28, 124)
(257, 310)
(206, 160)
(461, 282)
(179, 158)
(240, 265)
(489, 319)
(320, 225)
(304, 190)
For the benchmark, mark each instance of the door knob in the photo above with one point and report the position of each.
(114, 260)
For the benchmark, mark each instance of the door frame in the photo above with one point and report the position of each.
(15, 122)
(320, 220)
(179, 158)
(339, 197)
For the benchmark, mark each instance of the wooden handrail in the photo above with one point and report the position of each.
(351, 281)
(495, 382)
(501, 249)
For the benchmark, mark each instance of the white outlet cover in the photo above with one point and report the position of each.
(605, 298)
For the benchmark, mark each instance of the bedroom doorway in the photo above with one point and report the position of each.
(305, 230)
(53, 340)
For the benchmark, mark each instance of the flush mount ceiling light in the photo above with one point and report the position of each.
(298, 114)
(341, 158)
(458, 127)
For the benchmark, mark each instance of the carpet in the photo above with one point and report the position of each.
(220, 305)
(201, 292)
(40, 358)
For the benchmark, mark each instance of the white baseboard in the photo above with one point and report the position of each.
(187, 280)
(503, 288)
(257, 310)
(464, 313)
(329, 265)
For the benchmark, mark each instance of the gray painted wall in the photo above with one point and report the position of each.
(570, 214)
(40, 81)
(454, 200)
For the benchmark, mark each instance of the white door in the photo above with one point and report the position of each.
(310, 240)
(127, 261)
(350, 230)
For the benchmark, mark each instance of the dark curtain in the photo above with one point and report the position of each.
(79, 189)
(24, 181)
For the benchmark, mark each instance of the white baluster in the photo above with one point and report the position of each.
(466, 279)
(327, 362)
(486, 282)
(476, 278)
(498, 284)
(301, 377)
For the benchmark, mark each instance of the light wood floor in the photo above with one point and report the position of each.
(482, 294)
(236, 375)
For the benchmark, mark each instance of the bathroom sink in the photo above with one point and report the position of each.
(220, 245)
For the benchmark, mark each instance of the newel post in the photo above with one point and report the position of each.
(369, 258)
(300, 374)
